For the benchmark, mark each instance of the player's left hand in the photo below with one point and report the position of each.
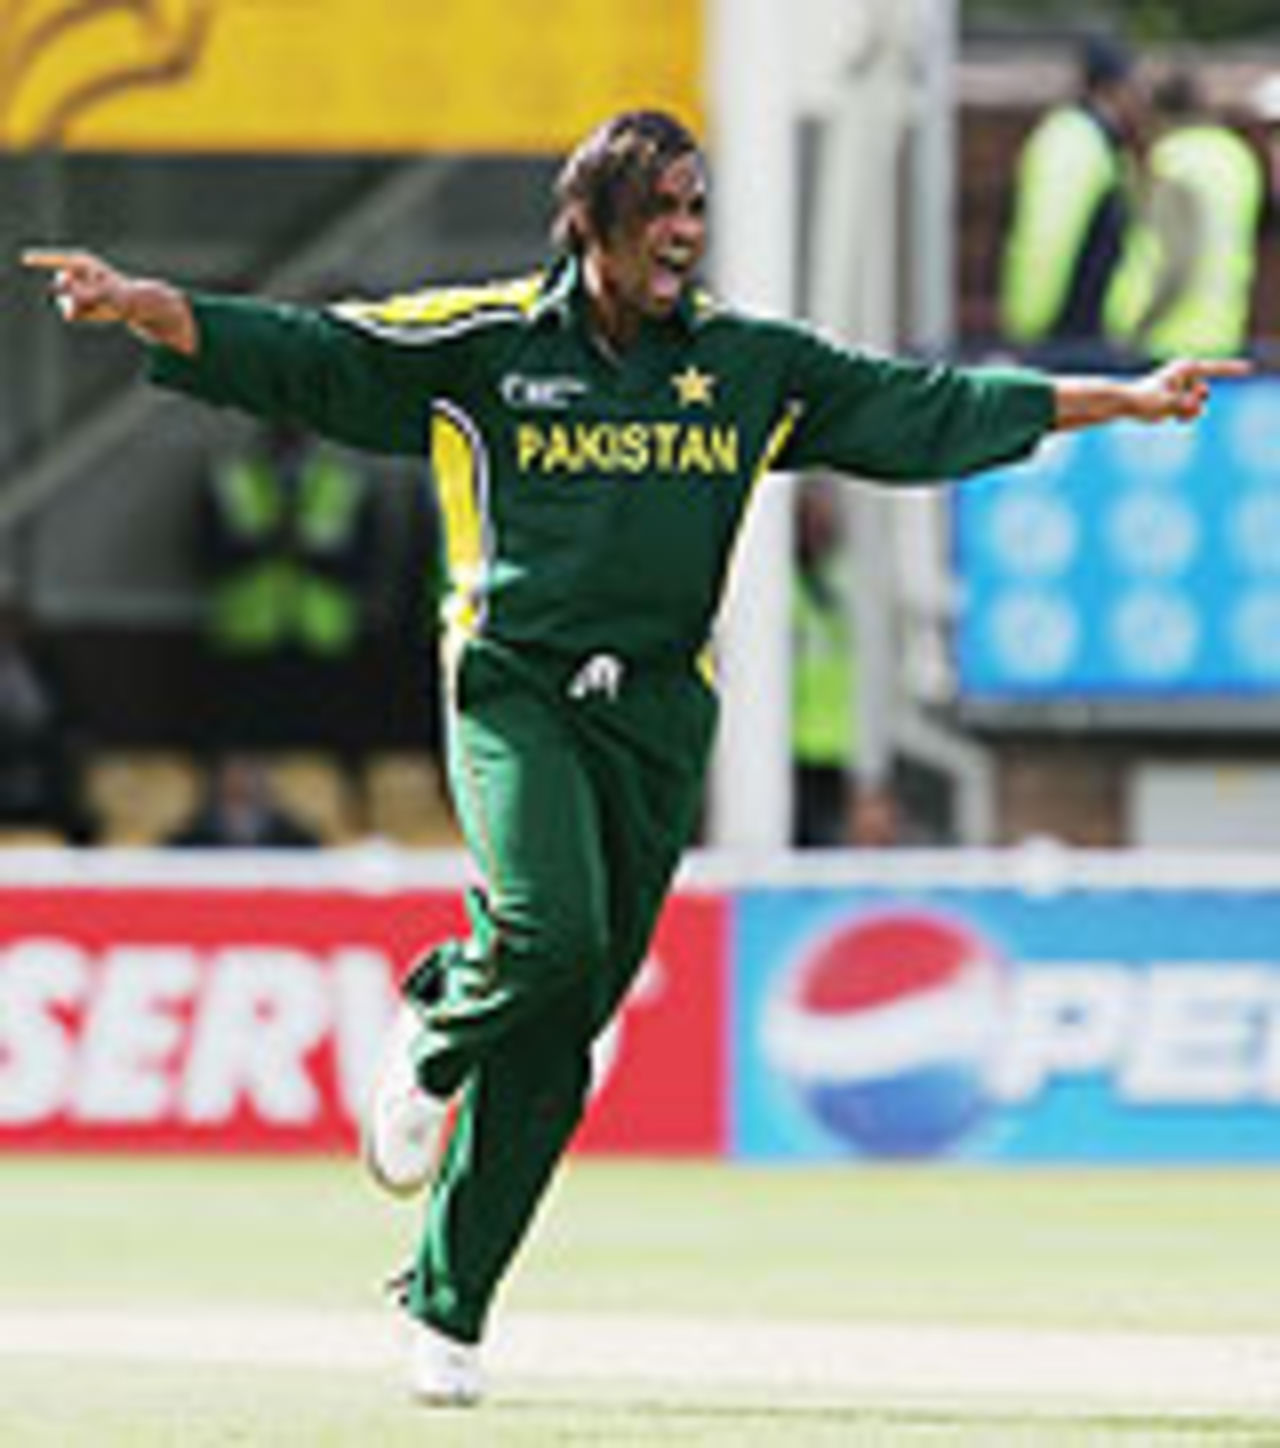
(1180, 389)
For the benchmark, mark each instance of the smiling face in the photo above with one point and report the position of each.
(642, 266)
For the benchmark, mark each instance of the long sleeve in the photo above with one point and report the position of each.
(309, 367)
(892, 419)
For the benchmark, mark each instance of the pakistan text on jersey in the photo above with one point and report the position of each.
(628, 447)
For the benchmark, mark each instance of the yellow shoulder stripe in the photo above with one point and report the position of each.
(704, 304)
(445, 309)
(778, 439)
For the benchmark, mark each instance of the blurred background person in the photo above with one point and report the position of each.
(40, 754)
(286, 539)
(1072, 206)
(1187, 281)
(1264, 102)
(830, 806)
(239, 809)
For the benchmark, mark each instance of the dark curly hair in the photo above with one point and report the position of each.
(611, 174)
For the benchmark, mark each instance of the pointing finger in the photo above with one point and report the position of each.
(47, 259)
(1223, 367)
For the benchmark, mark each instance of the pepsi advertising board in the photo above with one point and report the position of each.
(1081, 1025)
(1127, 563)
(1005, 1006)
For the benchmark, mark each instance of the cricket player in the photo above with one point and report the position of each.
(595, 432)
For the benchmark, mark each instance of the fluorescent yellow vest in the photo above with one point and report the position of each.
(280, 598)
(1065, 169)
(824, 676)
(1222, 177)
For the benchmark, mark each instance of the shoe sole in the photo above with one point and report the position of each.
(369, 1155)
(389, 1184)
(445, 1400)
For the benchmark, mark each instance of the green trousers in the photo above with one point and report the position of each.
(577, 784)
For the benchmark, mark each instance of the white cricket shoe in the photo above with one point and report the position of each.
(443, 1371)
(404, 1127)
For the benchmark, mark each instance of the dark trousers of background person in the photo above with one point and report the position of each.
(822, 805)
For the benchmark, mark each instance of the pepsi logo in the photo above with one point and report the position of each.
(886, 1027)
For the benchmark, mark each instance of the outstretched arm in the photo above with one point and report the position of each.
(1177, 391)
(88, 289)
(272, 360)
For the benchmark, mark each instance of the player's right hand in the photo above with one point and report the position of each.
(83, 286)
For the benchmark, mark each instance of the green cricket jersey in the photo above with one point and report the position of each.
(591, 502)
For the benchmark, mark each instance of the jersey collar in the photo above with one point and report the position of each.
(562, 296)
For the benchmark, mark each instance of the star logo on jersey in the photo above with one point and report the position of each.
(694, 388)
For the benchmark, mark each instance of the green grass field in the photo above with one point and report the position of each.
(1162, 1253)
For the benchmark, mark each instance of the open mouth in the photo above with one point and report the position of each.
(670, 274)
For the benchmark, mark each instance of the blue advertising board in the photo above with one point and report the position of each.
(1081, 1025)
(1127, 563)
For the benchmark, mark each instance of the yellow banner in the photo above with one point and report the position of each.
(338, 75)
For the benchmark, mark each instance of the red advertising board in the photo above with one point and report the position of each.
(661, 1074)
(226, 1018)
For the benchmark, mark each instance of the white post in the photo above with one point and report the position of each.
(856, 291)
(754, 194)
(934, 206)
